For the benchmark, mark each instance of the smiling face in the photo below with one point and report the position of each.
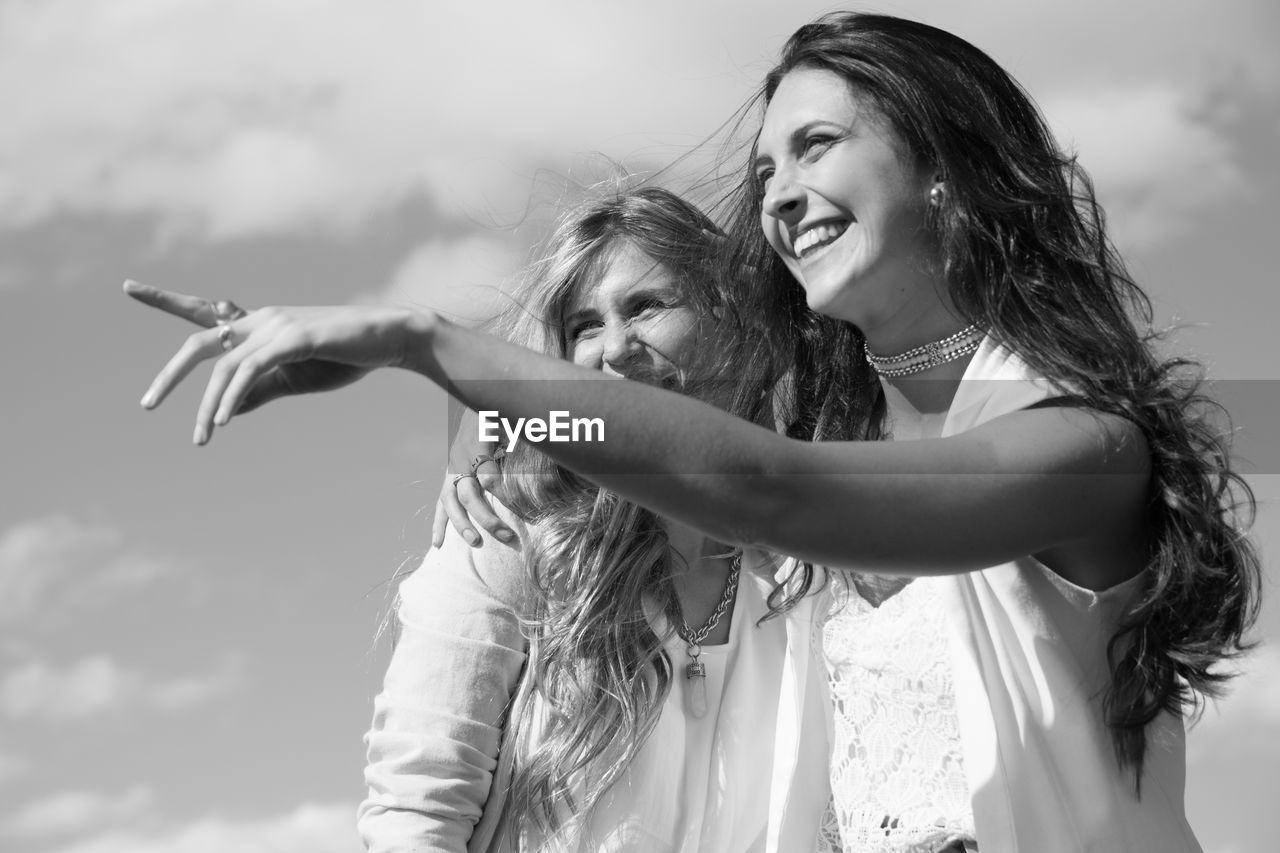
(634, 322)
(845, 207)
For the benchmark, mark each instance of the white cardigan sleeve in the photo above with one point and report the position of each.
(437, 724)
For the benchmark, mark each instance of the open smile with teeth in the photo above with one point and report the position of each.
(817, 236)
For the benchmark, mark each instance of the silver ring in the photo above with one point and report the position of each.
(225, 311)
(485, 457)
(463, 477)
(225, 334)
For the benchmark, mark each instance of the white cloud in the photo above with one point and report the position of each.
(232, 117)
(228, 118)
(38, 555)
(94, 685)
(57, 561)
(463, 279)
(310, 828)
(76, 811)
(1155, 164)
(98, 685)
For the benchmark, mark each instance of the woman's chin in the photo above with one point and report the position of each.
(827, 301)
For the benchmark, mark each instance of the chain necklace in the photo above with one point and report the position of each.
(695, 672)
(928, 355)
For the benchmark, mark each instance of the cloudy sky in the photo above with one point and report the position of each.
(187, 637)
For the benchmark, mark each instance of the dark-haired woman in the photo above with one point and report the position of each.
(1060, 517)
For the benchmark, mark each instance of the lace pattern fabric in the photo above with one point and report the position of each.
(829, 840)
(897, 774)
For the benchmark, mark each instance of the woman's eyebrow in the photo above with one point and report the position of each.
(795, 139)
(647, 291)
(581, 313)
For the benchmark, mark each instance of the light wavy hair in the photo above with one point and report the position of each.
(597, 675)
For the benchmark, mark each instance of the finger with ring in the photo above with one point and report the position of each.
(483, 458)
(225, 311)
(225, 335)
(479, 514)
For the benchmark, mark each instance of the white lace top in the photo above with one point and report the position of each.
(897, 774)
(1025, 654)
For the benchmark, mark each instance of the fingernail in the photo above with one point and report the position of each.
(472, 537)
(505, 535)
(199, 436)
(221, 418)
(148, 400)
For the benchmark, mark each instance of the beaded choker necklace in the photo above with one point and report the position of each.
(926, 356)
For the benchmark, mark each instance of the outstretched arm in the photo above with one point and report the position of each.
(1025, 483)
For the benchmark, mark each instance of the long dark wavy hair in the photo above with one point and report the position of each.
(597, 675)
(1024, 249)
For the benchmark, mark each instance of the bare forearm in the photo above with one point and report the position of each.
(1035, 481)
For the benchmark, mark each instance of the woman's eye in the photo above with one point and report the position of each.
(582, 330)
(816, 145)
(763, 176)
(652, 304)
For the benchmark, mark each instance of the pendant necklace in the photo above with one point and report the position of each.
(695, 672)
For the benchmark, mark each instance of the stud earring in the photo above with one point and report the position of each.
(937, 194)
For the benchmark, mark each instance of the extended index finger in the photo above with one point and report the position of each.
(194, 309)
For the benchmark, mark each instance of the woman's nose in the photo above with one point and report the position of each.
(784, 199)
(621, 345)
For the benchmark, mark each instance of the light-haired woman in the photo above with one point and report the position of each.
(614, 684)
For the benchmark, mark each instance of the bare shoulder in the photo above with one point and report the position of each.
(1103, 462)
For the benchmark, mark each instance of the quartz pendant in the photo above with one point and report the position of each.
(695, 689)
(695, 686)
